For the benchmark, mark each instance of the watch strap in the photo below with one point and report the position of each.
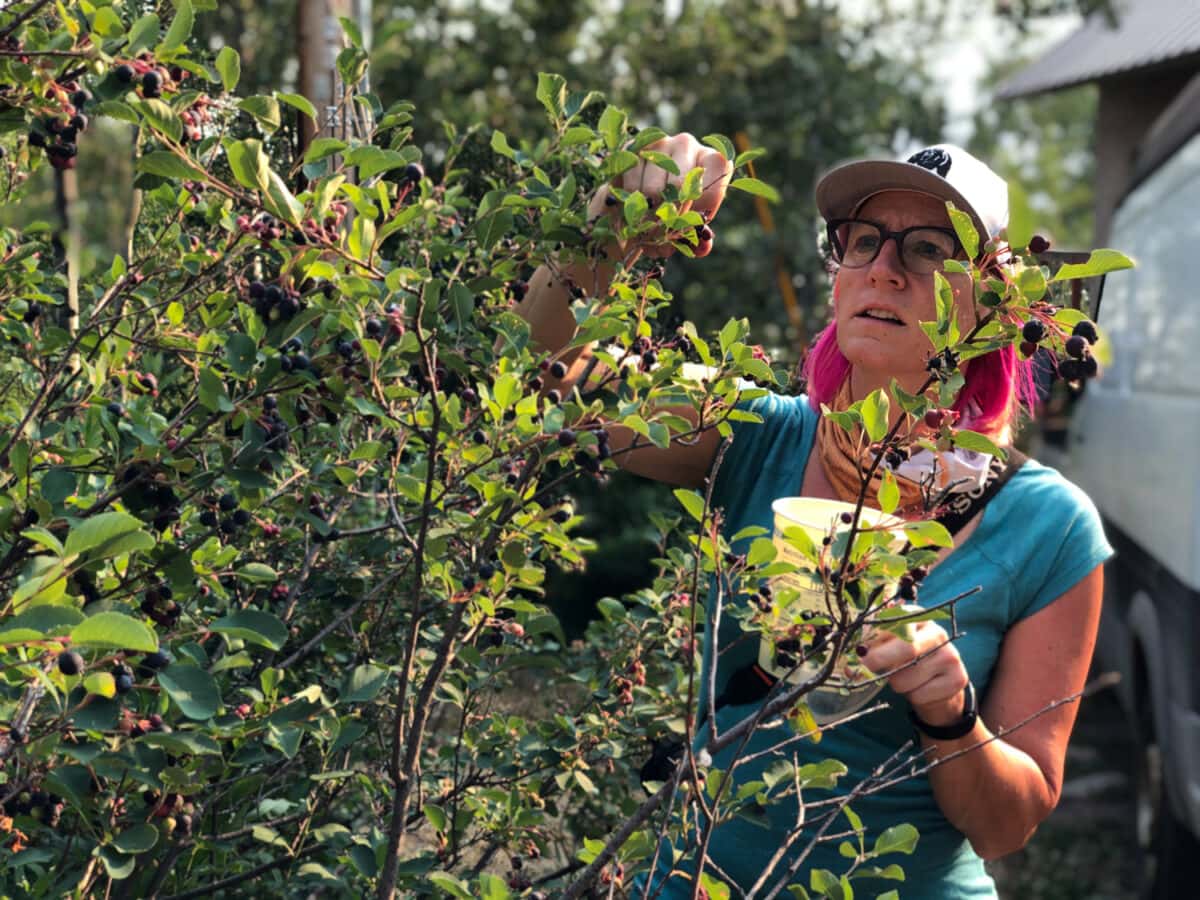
(954, 730)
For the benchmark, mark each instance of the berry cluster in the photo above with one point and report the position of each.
(234, 518)
(41, 805)
(59, 132)
(152, 78)
(263, 226)
(158, 605)
(1080, 363)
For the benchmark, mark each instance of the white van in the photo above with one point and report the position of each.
(1133, 444)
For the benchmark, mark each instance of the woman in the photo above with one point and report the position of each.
(1037, 548)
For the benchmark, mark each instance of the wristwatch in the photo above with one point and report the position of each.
(954, 730)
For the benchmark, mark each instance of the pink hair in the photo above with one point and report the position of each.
(998, 384)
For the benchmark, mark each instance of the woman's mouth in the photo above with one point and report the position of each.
(880, 315)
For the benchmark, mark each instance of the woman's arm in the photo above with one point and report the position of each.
(999, 793)
(547, 305)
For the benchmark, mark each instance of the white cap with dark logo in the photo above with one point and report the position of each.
(944, 171)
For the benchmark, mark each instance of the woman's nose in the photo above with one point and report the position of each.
(887, 267)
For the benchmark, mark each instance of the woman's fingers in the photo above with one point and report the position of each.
(652, 180)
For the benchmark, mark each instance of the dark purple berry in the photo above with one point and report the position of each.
(124, 72)
(227, 503)
(1086, 330)
(1076, 346)
(558, 369)
(413, 173)
(70, 663)
(566, 438)
(1033, 330)
(486, 571)
(1038, 244)
(374, 328)
(151, 84)
(1072, 370)
(115, 409)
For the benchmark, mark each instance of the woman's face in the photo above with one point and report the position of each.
(880, 350)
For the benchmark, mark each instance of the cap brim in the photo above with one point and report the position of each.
(842, 189)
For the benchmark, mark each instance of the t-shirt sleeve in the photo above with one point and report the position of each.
(1073, 542)
(755, 446)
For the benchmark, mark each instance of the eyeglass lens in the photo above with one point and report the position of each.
(923, 250)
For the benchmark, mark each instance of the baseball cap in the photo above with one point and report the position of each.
(945, 171)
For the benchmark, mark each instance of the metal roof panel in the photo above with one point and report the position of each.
(1148, 33)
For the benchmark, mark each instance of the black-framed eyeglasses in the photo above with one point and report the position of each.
(924, 249)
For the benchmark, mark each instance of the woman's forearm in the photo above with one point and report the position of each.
(996, 795)
(547, 305)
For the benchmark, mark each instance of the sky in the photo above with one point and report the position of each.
(972, 32)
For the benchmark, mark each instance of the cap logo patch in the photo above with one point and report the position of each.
(934, 159)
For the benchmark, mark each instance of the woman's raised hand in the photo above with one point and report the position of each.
(651, 180)
(932, 684)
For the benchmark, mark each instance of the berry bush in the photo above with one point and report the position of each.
(280, 484)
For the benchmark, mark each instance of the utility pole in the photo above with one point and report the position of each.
(319, 41)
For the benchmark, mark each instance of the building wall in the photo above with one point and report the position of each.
(1128, 108)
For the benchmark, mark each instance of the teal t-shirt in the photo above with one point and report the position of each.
(1038, 536)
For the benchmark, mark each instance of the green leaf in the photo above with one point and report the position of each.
(323, 147)
(964, 227)
(229, 67)
(928, 533)
(716, 890)
(248, 163)
(492, 227)
(1020, 218)
(167, 165)
(973, 440)
(258, 572)
(756, 187)
(160, 116)
(889, 492)
(282, 203)
(1099, 263)
(114, 630)
(107, 24)
(500, 145)
(142, 34)
(253, 625)
(692, 502)
(612, 126)
(212, 392)
(102, 684)
(181, 26)
(38, 623)
(117, 864)
(96, 533)
(193, 689)
(721, 143)
(635, 208)
(241, 353)
(451, 885)
(875, 414)
(57, 485)
(363, 684)
(897, 839)
(302, 103)
(265, 109)
(552, 92)
(661, 160)
(137, 839)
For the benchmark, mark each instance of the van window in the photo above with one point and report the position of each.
(1154, 316)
